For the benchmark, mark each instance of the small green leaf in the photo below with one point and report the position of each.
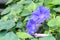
(23, 35)
(40, 2)
(25, 13)
(26, 2)
(5, 18)
(21, 2)
(19, 25)
(27, 18)
(12, 16)
(52, 23)
(9, 1)
(32, 6)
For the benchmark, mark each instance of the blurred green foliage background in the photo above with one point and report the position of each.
(17, 13)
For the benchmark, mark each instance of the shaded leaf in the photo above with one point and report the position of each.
(19, 25)
(7, 25)
(2, 34)
(27, 18)
(9, 1)
(7, 10)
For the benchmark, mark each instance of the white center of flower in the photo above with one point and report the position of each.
(42, 16)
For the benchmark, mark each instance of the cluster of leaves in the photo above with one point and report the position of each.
(14, 18)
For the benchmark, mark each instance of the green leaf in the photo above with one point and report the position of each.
(40, 2)
(2, 38)
(7, 10)
(27, 18)
(23, 35)
(52, 23)
(34, 39)
(58, 20)
(11, 36)
(47, 38)
(19, 25)
(11, 16)
(2, 34)
(7, 25)
(58, 29)
(55, 2)
(16, 8)
(9, 1)
(21, 2)
(5, 18)
(32, 6)
(26, 2)
(47, 2)
(25, 13)
(57, 9)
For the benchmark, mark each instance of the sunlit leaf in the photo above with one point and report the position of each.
(26, 2)
(23, 35)
(25, 13)
(57, 9)
(11, 36)
(52, 23)
(58, 20)
(32, 6)
(55, 2)
(34, 39)
(5, 18)
(47, 38)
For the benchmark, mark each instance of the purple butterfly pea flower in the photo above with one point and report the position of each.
(38, 16)
(41, 14)
(31, 27)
